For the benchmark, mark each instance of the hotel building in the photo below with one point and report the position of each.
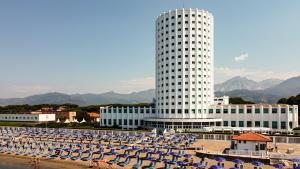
(185, 84)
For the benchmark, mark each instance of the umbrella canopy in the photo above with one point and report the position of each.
(220, 159)
(152, 159)
(278, 165)
(297, 160)
(67, 121)
(83, 121)
(215, 167)
(298, 167)
(58, 121)
(257, 163)
(238, 161)
(187, 155)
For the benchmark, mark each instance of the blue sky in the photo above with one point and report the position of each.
(95, 46)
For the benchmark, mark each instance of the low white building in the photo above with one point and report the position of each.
(27, 117)
(267, 117)
(250, 143)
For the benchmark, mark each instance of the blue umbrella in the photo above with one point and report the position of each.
(187, 155)
(215, 167)
(152, 159)
(220, 159)
(298, 167)
(173, 153)
(238, 161)
(166, 160)
(257, 163)
(182, 163)
(297, 160)
(278, 165)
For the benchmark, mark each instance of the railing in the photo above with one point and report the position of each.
(276, 139)
(283, 156)
(247, 153)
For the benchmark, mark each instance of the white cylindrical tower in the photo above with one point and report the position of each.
(184, 63)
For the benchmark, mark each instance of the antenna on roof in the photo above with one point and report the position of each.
(182, 3)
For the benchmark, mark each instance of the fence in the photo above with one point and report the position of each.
(247, 153)
(276, 139)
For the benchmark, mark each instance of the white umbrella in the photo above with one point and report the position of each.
(58, 121)
(165, 131)
(75, 121)
(67, 121)
(83, 121)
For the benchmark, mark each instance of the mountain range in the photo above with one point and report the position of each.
(267, 91)
(242, 83)
(83, 99)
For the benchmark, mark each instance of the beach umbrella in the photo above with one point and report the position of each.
(182, 163)
(75, 121)
(83, 121)
(58, 121)
(67, 121)
(238, 161)
(278, 165)
(165, 160)
(152, 159)
(257, 163)
(215, 167)
(173, 153)
(296, 160)
(298, 167)
(187, 155)
(220, 159)
(160, 152)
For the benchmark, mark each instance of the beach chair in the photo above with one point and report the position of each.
(69, 153)
(151, 165)
(115, 160)
(76, 157)
(138, 163)
(124, 163)
(100, 157)
(148, 156)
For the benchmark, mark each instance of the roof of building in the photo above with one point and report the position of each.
(251, 136)
(94, 114)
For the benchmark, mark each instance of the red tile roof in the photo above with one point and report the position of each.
(251, 136)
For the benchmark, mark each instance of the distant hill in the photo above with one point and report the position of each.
(83, 99)
(272, 94)
(286, 88)
(243, 83)
(233, 88)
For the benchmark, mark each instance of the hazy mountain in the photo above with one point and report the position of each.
(242, 83)
(234, 87)
(286, 88)
(256, 96)
(83, 99)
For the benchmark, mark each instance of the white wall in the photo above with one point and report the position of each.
(27, 117)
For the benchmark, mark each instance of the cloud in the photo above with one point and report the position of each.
(224, 73)
(242, 57)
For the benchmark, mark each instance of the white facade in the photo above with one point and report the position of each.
(224, 100)
(125, 117)
(27, 117)
(277, 117)
(184, 63)
(273, 118)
